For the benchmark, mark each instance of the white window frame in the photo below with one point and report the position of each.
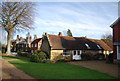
(67, 53)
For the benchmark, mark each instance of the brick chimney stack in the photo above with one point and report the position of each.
(21, 39)
(60, 34)
(28, 37)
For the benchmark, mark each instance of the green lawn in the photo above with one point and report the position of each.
(58, 71)
(14, 57)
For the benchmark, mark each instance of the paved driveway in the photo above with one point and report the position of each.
(101, 66)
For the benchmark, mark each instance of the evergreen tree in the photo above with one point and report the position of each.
(69, 33)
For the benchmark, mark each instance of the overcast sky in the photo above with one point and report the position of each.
(91, 19)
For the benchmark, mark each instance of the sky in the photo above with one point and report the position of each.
(91, 19)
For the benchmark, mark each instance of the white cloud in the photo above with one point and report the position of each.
(92, 19)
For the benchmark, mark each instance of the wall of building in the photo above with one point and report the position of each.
(116, 38)
(116, 32)
(45, 47)
(58, 54)
(36, 47)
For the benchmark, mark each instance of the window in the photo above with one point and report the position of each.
(78, 52)
(98, 46)
(22, 45)
(118, 49)
(87, 46)
(26, 45)
(66, 53)
(75, 52)
(39, 45)
(32, 45)
(15, 49)
(35, 45)
(100, 51)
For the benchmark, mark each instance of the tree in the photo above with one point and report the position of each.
(107, 36)
(69, 33)
(15, 16)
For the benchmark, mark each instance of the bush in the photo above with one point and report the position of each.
(109, 58)
(85, 56)
(61, 60)
(4, 49)
(23, 54)
(39, 56)
(99, 56)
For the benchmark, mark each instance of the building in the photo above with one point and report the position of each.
(56, 46)
(116, 38)
(22, 44)
(36, 45)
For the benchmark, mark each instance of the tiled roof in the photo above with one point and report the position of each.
(102, 44)
(36, 40)
(76, 43)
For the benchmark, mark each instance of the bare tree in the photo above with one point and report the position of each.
(15, 16)
(107, 36)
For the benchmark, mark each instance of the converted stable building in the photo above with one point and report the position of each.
(57, 46)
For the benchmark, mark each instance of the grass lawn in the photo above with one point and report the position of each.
(58, 71)
(14, 57)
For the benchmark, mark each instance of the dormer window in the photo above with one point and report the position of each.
(87, 46)
(98, 46)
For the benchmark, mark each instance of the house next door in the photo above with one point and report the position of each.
(77, 55)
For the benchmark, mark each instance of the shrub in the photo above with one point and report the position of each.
(4, 49)
(61, 60)
(23, 54)
(109, 58)
(98, 56)
(39, 56)
(85, 56)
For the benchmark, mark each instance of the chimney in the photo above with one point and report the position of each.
(60, 34)
(21, 39)
(35, 37)
(85, 36)
(44, 33)
(17, 37)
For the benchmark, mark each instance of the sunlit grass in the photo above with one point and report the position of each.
(59, 71)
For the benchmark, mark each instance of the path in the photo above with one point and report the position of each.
(101, 66)
(9, 71)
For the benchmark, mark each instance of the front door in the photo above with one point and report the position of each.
(77, 55)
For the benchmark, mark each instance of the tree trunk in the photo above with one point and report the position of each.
(9, 43)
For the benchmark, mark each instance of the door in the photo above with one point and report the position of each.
(77, 55)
